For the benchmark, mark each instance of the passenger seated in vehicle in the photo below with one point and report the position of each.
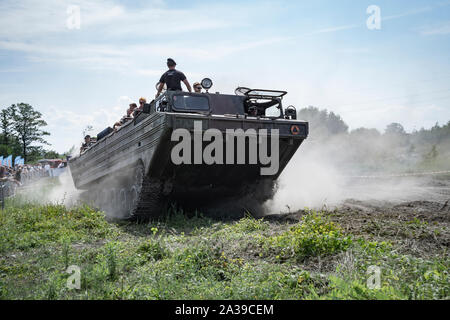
(258, 109)
(132, 112)
(116, 126)
(133, 107)
(142, 101)
(253, 111)
(86, 144)
(197, 87)
(127, 117)
(137, 110)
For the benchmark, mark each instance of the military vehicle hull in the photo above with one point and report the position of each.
(130, 174)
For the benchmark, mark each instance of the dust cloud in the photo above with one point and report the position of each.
(326, 173)
(52, 190)
(66, 193)
(310, 180)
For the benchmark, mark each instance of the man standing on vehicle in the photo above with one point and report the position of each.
(172, 78)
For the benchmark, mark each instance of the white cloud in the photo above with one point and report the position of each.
(333, 29)
(124, 39)
(27, 19)
(384, 18)
(119, 39)
(442, 29)
(353, 51)
(13, 70)
(407, 13)
(149, 72)
(66, 126)
(131, 58)
(125, 98)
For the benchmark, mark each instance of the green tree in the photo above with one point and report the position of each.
(433, 154)
(6, 122)
(323, 123)
(27, 126)
(13, 147)
(35, 153)
(395, 128)
(50, 154)
(335, 124)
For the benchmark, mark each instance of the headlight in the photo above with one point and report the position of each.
(207, 83)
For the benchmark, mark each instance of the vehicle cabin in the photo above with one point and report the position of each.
(256, 103)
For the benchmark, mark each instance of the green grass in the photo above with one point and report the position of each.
(31, 226)
(313, 236)
(195, 257)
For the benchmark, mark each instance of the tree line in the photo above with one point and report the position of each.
(369, 150)
(21, 129)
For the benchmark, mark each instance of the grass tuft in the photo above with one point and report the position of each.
(313, 236)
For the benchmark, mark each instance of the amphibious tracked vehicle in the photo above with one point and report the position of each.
(141, 169)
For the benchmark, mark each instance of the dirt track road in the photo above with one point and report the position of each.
(413, 212)
(400, 189)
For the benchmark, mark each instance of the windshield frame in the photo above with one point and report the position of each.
(181, 93)
(263, 104)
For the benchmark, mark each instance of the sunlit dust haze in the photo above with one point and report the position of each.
(361, 165)
(60, 190)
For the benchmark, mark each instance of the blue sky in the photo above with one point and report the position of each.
(320, 51)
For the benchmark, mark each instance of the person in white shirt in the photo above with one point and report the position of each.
(47, 170)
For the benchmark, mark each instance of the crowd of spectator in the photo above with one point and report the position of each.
(13, 177)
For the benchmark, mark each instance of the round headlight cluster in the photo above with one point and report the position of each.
(207, 83)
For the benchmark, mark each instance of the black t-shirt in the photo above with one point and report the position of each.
(173, 78)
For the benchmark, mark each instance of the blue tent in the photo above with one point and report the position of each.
(9, 161)
(17, 160)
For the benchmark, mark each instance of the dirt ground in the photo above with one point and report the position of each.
(411, 212)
